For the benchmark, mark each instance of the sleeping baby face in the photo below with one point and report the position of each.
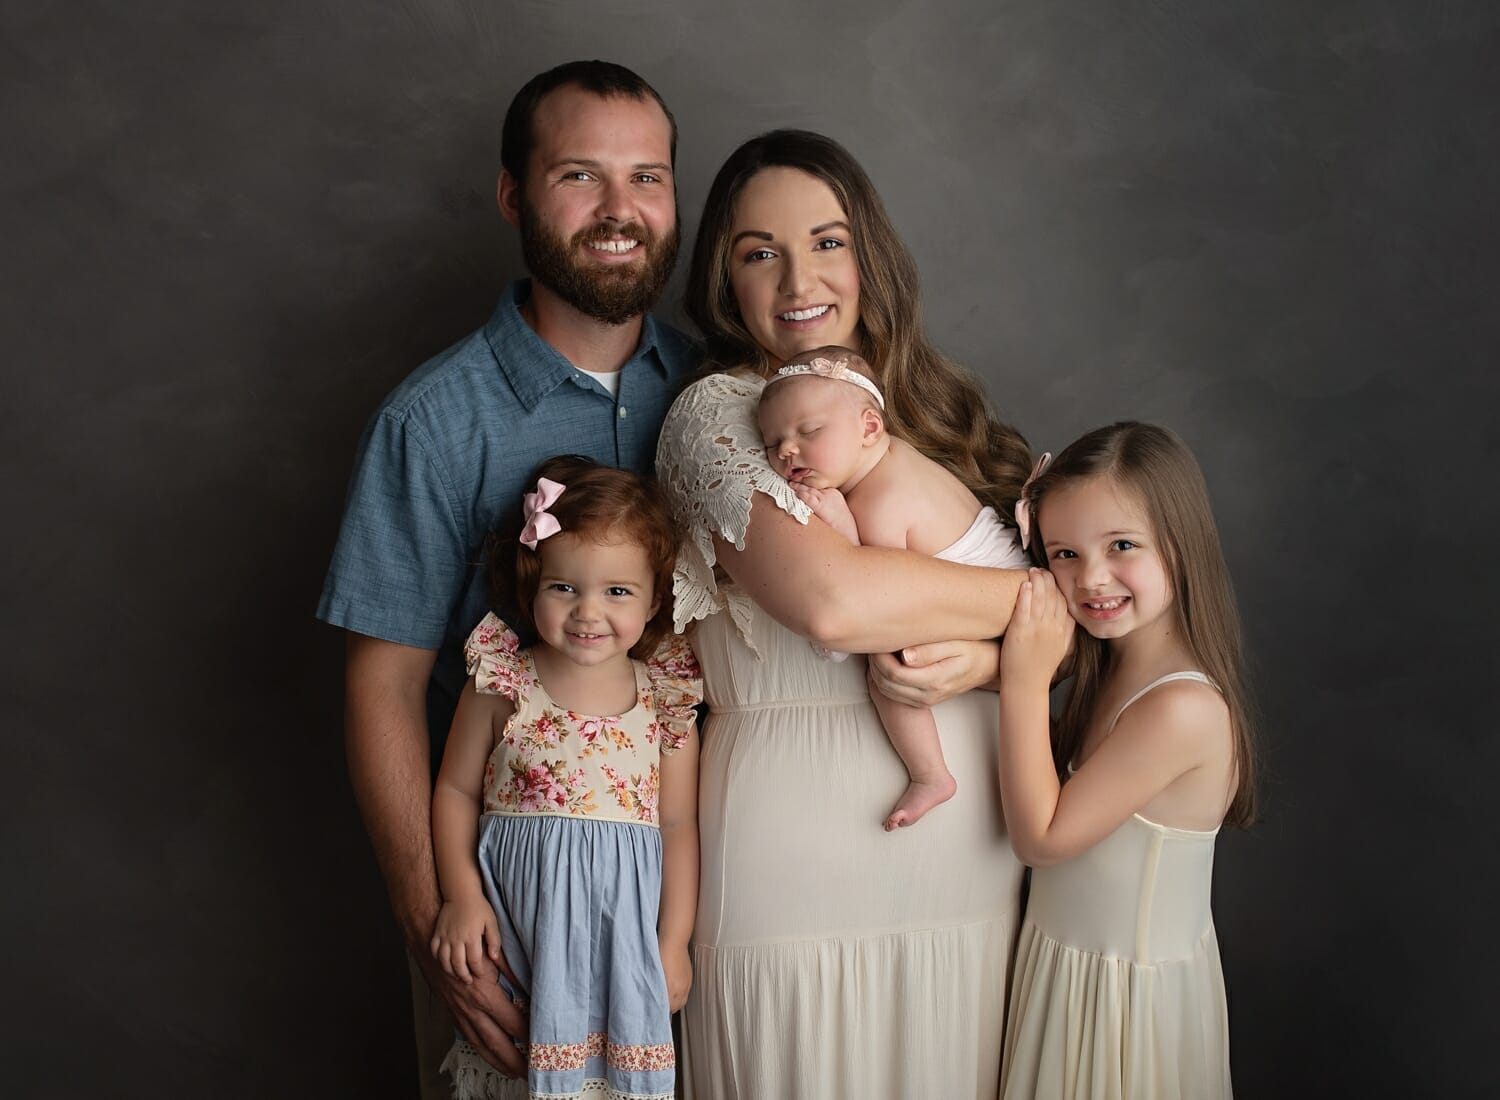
(815, 430)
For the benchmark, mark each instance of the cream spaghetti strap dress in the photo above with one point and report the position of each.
(1118, 993)
(831, 959)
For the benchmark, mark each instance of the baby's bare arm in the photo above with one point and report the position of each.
(830, 506)
(896, 498)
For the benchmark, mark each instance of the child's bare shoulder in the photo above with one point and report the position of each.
(1183, 716)
(884, 513)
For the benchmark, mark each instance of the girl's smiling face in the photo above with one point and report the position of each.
(1101, 548)
(593, 599)
(792, 264)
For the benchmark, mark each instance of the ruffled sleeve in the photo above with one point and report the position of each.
(494, 658)
(710, 462)
(676, 688)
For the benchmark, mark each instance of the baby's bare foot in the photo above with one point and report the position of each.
(920, 796)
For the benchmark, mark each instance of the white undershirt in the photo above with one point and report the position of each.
(610, 380)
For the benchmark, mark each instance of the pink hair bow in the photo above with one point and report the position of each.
(1023, 506)
(540, 523)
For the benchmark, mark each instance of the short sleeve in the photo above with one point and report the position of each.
(494, 658)
(676, 688)
(710, 463)
(400, 565)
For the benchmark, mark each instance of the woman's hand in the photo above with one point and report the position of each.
(466, 934)
(1040, 632)
(926, 675)
(679, 971)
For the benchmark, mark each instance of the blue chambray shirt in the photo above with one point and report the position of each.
(444, 459)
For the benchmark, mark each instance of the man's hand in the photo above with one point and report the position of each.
(485, 1016)
(926, 675)
(385, 729)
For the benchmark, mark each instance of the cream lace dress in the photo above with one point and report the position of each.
(831, 959)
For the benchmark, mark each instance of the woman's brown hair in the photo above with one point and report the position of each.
(600, 503)
(1156, 466)
(932, 403)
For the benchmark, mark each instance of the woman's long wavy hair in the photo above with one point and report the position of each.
(932, 403)
(1156, 467)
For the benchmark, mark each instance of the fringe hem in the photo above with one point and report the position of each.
(475, 1079)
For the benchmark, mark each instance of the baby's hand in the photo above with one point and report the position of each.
(1040, 631)
(830, 507)
(466, 933)
(679, 970)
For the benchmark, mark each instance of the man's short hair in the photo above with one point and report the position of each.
(602, 78)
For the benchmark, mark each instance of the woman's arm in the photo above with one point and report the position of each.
(863, 599)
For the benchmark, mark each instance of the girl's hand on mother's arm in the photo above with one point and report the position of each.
(926, 675)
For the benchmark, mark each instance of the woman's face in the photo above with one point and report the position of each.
(792, 265)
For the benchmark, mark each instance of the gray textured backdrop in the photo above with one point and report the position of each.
(230, 228)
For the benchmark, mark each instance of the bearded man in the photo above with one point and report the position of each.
(570, 362)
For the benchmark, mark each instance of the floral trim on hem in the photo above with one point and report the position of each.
(564, 1056)
(475, 1079)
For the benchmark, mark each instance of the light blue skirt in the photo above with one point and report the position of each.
(577, 904)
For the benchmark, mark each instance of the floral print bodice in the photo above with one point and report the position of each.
(552, 760)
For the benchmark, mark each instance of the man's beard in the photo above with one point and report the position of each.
(612, 293)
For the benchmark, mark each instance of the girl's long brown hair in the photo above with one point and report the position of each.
(931, 402)
(1155, 465)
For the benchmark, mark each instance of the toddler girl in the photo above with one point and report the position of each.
(822, 419)
(582, 754)
(1117, 989)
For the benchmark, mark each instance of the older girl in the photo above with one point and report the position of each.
(1118, 990)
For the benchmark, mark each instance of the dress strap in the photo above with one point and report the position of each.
(1168, 678)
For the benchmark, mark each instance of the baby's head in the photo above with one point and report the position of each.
(595, 507)
(820, 415)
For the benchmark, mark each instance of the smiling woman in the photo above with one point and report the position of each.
(831, 958)
(790, 267)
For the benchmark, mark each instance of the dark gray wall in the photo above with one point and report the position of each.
(230, 228)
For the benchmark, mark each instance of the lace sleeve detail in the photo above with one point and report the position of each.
(676, 687)
(710, 462)
(493, 657)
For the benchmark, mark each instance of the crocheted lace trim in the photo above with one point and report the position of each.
(711, 462)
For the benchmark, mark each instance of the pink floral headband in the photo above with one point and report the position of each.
(1023, 506)
(540, 523)
(829, 368)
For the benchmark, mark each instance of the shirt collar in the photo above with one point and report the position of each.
(534, 367)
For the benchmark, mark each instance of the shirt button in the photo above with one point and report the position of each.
(624, 412)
